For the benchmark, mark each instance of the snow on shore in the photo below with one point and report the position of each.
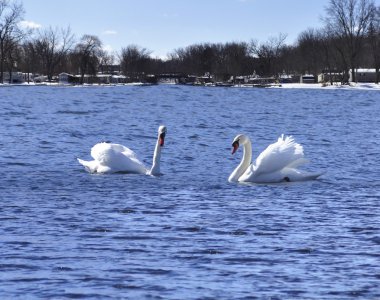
(351, 86)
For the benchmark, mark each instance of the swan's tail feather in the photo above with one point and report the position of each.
(290, 174)
(312, 176)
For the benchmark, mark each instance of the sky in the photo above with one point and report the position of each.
(162, 26)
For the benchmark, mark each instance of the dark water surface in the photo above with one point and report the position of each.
(189, 234)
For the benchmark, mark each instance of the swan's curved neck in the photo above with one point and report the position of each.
(244, 164)
(155, 170)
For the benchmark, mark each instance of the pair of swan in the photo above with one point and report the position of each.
(277, 163)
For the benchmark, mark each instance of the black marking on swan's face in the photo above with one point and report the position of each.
(235, 146)
(162, 138)
(161, 135)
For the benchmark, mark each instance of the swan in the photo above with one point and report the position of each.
(111, 158)
(277, 163)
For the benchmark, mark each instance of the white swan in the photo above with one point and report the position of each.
(277, 163)
(111, 158)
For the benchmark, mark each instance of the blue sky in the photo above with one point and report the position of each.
(164, 25)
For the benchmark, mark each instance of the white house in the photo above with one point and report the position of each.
(330, 77)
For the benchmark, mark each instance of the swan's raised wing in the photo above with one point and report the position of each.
(283, 153)
(117, 157)
(102, 151)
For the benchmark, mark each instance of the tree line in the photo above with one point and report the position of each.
(349, 37)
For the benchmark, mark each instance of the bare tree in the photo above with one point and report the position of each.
(310, 48)
(196, 59)
(221, 60)
(10, 33)
(183, 61)
(290, 60)
(374, 41)
(134, 60)
(106, 60)
(330, 56)
(30, 59)
(348, 21)
(53, 45)
(235, 57)
(268, 53)
(87, 52)
(13, 55)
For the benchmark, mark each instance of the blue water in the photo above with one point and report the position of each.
(189, 234)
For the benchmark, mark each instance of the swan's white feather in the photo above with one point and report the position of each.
(286, 174)
(278, 155)
(90, 166)
(109, 158)
(108, 154)
(278, 162)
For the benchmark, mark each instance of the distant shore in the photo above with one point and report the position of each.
(351, 86)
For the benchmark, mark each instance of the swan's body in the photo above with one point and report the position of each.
(277, 163)
(112, 158)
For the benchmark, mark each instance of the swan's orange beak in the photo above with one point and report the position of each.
(162, 139)
(235, 146)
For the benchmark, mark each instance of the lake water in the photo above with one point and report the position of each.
(189, 234)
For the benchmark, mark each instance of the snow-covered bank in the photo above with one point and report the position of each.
(351, 86)
(72, 85)
(361, 86)
(29, 84)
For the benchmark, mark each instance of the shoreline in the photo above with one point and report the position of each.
(351, 86)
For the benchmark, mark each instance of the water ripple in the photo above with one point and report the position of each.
(189, 234)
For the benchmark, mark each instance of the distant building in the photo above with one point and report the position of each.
(187, 79)
(239, 79)
(285, 78)
(327, 76)
(103, 79)
(204, 80)
(28, 77)
(40, 78)
(66, 78)
(262, 80)
(63, 77)
(14, 77)
(364, 75)
(110, 69)
(119, 79)
(307, 78)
